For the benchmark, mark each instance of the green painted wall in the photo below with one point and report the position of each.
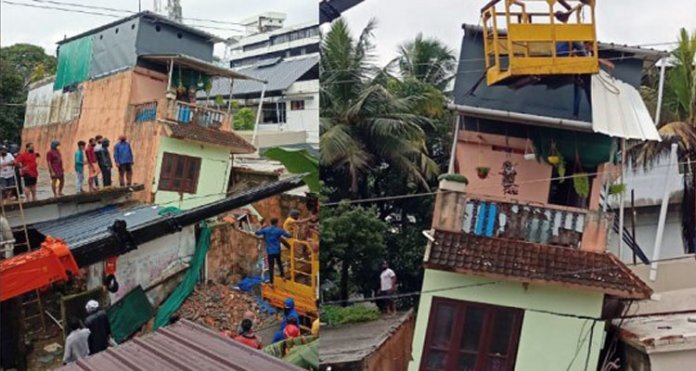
(547, 341)
(213, 178)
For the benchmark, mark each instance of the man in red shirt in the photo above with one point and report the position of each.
(247, 335)
(55, 168)
(26, 161)
(92, 167)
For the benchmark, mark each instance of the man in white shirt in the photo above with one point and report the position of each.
(7, 172)
(77, 342)
(387, 284)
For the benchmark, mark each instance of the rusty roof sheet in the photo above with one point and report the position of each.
(534, 263)
(181, 346)
(221, 138)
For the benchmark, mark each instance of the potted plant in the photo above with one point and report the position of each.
(482, 172)
(453, 182)
(617, 189)
(581, 184)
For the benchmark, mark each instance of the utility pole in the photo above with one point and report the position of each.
(174, 10)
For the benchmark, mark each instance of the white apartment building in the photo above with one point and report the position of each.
(288, 59)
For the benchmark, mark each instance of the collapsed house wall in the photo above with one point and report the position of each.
(233, 254)
(148, 265)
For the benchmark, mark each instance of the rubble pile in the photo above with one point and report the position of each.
(219, 307)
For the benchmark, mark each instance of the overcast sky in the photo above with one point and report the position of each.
(621, 21)
(43, 27)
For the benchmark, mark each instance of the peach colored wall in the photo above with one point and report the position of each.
(148, 86)
(106, 111)
(472, 155)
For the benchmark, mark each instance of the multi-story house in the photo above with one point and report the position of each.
(137, 77)
(517, 272)
(287, 57)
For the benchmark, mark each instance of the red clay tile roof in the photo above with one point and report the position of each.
(222, 138)
(534, 263)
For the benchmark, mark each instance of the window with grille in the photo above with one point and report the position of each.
(145, 112)
(179, 173)
(471, 336)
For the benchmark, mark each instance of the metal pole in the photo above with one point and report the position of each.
(171, 73)
(663, 213)
(453, 152)
(660, 90)
(633, 222)
(258, 116)
(621, 197)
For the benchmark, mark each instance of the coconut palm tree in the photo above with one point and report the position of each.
(427, 60)
(364, 125)
(678, 125)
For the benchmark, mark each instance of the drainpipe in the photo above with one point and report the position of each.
(522, 118)
(258, 117)
(663, 213)
(171, 73)
(660, 90)
(621, 197)
(453, 153)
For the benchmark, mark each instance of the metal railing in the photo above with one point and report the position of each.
(145, 112)
(186, 113)
(534, 40)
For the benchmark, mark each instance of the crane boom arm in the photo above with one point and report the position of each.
(54, 261)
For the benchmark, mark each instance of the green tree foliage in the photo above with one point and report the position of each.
(678, 123)
(336, 315)
(20, 65)
(244, 119)
(353, 240)
(363, 123)
(426, 60)
(356, 137)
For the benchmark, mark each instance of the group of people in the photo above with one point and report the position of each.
(289, 327)
(94, 155)
(88, 337)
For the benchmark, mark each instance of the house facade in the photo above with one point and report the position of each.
(287, 58)
(517, 272)
(133, 77)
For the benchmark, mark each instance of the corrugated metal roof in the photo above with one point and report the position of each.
(81, 228)
(181, 346)
(355, 342)
(619, 111)
(148, 15)
(279, 76)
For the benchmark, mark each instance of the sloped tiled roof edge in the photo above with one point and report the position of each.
(221, 138)
(512, 260)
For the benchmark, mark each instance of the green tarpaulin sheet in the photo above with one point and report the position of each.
(129, 314)
(74, 62)
(185, 288)
(303, 351)
(304, 356)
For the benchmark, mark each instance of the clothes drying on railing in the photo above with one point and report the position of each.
(523, 222)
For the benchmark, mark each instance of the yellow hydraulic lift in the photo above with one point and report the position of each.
(539, 37)
(301, 264)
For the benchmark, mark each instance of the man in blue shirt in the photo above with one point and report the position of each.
(271, 234)
(123, 156)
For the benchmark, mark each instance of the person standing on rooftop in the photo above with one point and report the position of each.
(26, 161)
(55, 168)
(92, 165)
(123, 157)
(79, 165)
(7, 172)
(105, 164)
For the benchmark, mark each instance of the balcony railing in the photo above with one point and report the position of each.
(145, 112)
(186, 113)
(544, 224)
